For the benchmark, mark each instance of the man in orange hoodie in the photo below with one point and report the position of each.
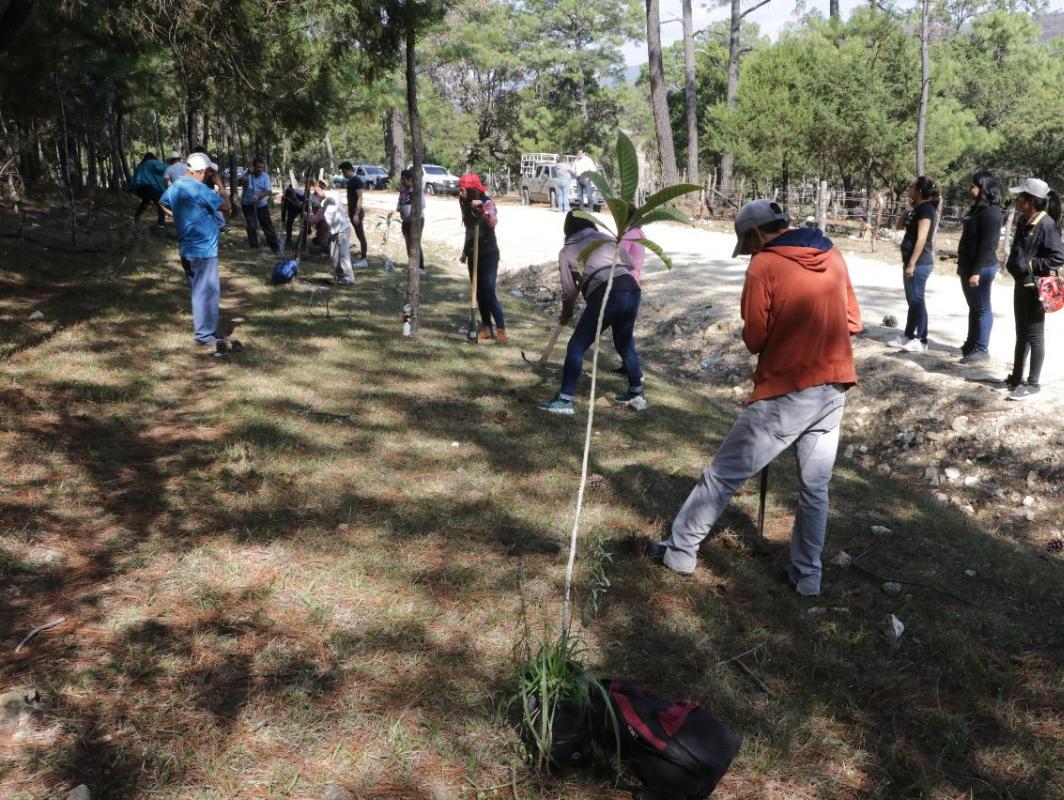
(799, 311)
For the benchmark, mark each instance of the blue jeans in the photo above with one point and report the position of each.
(621, 312)
(487, 301)
(564, 188)
(202, 276)
(916, 321)
(980, 315)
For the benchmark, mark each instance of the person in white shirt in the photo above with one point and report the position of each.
(583, 164)
(177, 168)
(332, 211)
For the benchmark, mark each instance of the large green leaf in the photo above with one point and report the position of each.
(667, 194)
(654, 248)
(619, 210)
(590, 248)
(600, 183)
(593, 219)
(628, 166)
(660, 215)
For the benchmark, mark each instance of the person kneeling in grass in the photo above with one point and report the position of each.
(589, 278)
(193, 205)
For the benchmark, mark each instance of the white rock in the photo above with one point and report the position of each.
(36, 315)
(1032, 479)
(335, 791)
(79, 793)
(942, 497)
(953, 473)
(863, 448)
(906, 438)
(1028, 501)
(843, 559)
(881, 530)
(970, 573)
(959, 423)
(884, 468)
(971, 480)
(895, 627)
(848, 452)
(892, 588)
(455, 444)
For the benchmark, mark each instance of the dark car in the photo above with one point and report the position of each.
(373, 177)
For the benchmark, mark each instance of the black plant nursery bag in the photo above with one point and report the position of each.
(677, 749)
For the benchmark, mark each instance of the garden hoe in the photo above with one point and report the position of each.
(471, 332)
(543, 359)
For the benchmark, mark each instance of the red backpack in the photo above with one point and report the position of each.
(1051, 292)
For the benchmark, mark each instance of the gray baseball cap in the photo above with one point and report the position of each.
(755, 214)
(1033, 187)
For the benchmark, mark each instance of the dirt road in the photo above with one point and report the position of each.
(704, 273)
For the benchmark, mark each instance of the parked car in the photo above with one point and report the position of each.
(540, 183)
(373, 177)
(436, 179)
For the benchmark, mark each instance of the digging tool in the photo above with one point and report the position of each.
(761, 504)
(471, 332)
(545, 357)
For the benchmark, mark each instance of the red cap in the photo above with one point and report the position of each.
(472, 181)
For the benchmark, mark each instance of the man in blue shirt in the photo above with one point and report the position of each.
(255, 203)
(193, 205)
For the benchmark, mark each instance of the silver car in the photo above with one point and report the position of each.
(544, 185)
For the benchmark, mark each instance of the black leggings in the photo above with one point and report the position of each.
(487, 302)
(1030, 333)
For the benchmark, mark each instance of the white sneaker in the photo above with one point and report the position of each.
(914, 346)
(360, 264)
(899, 341)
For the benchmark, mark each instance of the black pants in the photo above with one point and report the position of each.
(289, 214)
(407, 231)
(150, 197)
(1030, 333)
(360, 232)
(254, 216)
(487, 301)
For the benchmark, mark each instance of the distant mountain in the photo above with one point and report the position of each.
(1052, 25)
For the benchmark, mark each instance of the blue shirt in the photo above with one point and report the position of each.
(253, 187)
(194, 204)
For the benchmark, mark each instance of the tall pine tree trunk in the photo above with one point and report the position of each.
(417, 217)
(666, 151)
(925, 84)
(689, 93)
(394, 142)
(727, 159)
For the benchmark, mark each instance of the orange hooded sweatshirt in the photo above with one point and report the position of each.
(799, 312)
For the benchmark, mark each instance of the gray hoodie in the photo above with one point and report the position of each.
(585, 278)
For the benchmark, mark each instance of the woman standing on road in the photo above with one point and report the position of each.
(917, 254)
(479, 210)
(977, 264)
(589, 277)
(1036, 252)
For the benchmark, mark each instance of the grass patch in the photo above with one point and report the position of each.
(262, 599)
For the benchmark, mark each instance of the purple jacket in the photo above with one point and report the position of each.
(584, 278)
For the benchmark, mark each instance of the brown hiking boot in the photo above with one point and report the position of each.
(485, 334)
(501, 337)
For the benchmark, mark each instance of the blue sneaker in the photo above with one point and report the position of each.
(556, 406)
(634, 400)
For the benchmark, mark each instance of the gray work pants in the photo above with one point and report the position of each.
(810, 420)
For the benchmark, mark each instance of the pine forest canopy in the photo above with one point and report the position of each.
(308, 83)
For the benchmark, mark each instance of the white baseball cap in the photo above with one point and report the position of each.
(198, 161)
(1033, 187)
(174, 154)
(755, 214)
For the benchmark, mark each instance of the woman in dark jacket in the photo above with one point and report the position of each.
(977, 264)
(918, 262)
(1036, 252)
(479, 210)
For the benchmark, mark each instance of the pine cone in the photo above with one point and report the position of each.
(890, 321)
(1056, 546)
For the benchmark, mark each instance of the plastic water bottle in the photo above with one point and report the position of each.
(407, 312)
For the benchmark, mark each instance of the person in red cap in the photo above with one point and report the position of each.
(479, 210)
